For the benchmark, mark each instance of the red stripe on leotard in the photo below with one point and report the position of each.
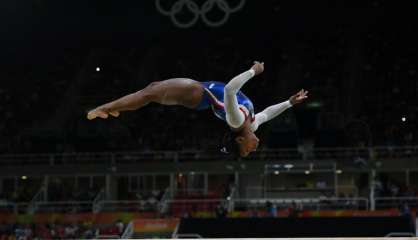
(220, 105)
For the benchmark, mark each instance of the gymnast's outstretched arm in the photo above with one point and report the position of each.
(275, 110)
(234, 117)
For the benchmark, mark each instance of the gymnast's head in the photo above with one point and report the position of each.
(240, 143)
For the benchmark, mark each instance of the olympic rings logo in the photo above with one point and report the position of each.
(198, 12)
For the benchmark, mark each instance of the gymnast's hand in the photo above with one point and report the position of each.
(258, 67)
(101, 112)
(299, 97)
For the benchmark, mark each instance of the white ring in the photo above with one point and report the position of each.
(202, 12)
(206, 9)
(191, 6)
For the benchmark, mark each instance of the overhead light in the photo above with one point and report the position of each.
(339, 171)
(97, 69)
(180, 175)
(288, 166)
(276, 172)
(24, 177)
(307, 172)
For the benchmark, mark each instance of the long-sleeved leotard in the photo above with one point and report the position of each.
(231, 105)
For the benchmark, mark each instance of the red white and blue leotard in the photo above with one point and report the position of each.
(214, 98)
(231, 105)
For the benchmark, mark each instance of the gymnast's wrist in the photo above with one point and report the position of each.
(252, 72)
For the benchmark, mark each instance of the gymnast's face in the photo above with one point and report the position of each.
(247, 143)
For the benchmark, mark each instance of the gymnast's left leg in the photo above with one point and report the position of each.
(177, 91)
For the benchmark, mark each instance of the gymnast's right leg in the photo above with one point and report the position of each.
(177, 91)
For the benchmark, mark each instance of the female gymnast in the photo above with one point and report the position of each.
(227, 102)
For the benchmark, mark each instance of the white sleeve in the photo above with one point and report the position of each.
(234, 117)
(269, 113)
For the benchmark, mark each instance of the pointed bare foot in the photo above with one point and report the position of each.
(95, 113)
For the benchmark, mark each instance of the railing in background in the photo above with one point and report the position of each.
(103, 158)
(12, 207)
(40, 196)
(8, 207)
(290, 192)
(184, 192)
(184, 205)
(230, 199)
(304, 203)
(129, 206)
(404, 203)
(65, 207)
(163, 204)
(98, 201)
(189, 202)
(129, 231)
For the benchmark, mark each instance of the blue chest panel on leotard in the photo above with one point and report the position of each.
(214, 97)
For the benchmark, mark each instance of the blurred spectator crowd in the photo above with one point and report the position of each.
(82, 230)
(389, 187)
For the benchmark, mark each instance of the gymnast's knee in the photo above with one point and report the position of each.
(150, 93)
(153, 84)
